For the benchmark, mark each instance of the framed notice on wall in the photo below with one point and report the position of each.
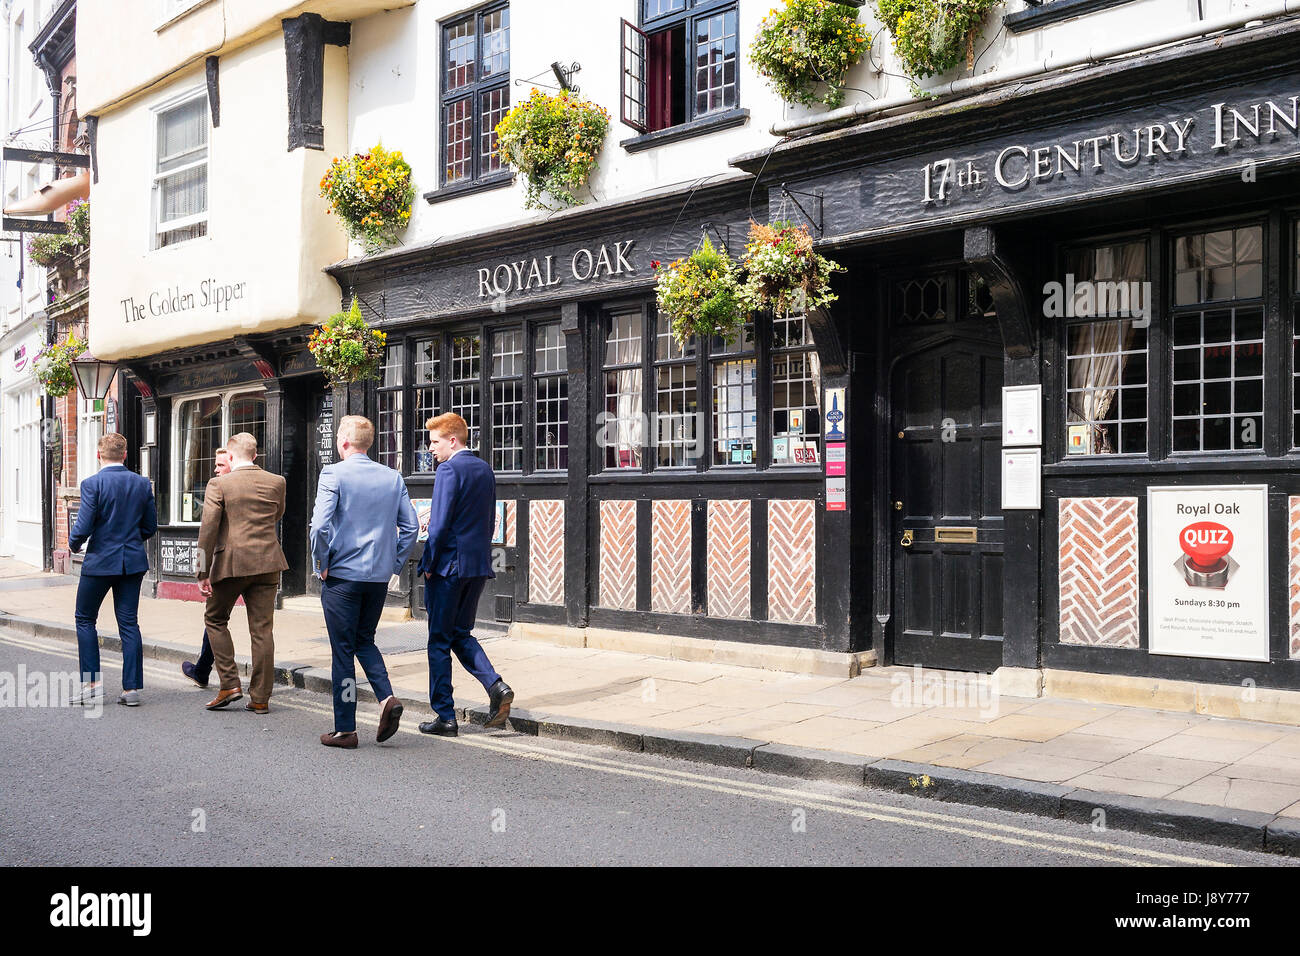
(1022, 479)
(1207, 560)
(1022, 415)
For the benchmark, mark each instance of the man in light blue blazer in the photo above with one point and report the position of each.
(362, 530)
(117, 516)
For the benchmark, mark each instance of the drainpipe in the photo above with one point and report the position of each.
(947, 91)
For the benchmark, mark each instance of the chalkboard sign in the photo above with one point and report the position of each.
(178, 555)
(325, 429)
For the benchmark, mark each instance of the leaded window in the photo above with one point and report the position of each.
(388, 428)
(427, 380)
(1106, 349)
(620, 429)
(475, 92)
(551, 383)
(507, 381)
(796, 393)
(466, 390)
(1218, 340)
(735, 399)
(677, 393)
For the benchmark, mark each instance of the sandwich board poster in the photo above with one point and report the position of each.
(1207, 557)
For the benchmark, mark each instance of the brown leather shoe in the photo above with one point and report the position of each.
(346, 741)
(225, 697)
(389, 718)
(255, 707)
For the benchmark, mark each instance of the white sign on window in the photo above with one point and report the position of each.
(1207, 560)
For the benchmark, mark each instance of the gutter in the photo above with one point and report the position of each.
(1096, 54)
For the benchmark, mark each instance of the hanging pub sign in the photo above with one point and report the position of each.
(1207, 558)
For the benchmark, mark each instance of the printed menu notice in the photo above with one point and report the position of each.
(1207, 558)
(1022, 485)
(1022, 415)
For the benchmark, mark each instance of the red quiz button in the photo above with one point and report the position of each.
(1205, 543)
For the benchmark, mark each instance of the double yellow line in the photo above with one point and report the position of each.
(1082, 848)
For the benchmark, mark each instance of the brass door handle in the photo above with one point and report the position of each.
(907, 538)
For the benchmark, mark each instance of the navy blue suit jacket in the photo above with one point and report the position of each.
(461, 518)
(118, 516)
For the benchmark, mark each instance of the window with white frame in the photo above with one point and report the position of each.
(181, 172)
(203, 424)
(90, 429)
(23, 454)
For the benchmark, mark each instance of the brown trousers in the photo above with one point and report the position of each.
(258, 592)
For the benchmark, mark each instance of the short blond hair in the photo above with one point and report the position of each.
(358, 430)
(242, 444)
(449, 425)
(112, 447)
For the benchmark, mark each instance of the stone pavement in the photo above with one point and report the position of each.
(908, 729)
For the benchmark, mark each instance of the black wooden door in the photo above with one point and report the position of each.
(944, 500)
(320, 453)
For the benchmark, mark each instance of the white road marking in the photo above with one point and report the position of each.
(1081, 847)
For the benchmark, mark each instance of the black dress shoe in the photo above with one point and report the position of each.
(443, 728)
(500, 696)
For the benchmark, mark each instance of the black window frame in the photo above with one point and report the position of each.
(473, 92)
(687, 17)
(413, 437)
(705, 355)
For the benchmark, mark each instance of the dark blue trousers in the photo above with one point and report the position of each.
(91, 591)
(451, 603)
(352, 610)
(203, 666)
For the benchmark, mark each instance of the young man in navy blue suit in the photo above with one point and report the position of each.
(117, 516)
(456, 564)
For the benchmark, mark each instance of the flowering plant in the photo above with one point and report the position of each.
(782, 272)
(931, 36)
(554, 142)
(53, 366)
(701, 294)
(806, 43)
(346, 348)
(372, 195)
(46, 249)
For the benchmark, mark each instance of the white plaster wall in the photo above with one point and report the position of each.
(267, 228)
(395, 88)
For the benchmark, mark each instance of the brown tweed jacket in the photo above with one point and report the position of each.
(237, 535)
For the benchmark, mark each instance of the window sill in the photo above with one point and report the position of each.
(1054, 11)
(495, 181)
(1183, 461)
(699, 127)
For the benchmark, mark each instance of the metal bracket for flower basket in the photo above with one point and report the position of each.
(563, 75)
(790, 194)
(709, 226)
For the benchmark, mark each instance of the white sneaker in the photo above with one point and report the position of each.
(90, 694)
(131, 698)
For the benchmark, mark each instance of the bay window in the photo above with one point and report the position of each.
(203, 424)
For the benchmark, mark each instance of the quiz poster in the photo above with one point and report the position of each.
(1207, 556)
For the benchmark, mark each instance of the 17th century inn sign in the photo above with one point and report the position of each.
(1242, 131)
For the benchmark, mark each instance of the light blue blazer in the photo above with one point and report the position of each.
(363, 526)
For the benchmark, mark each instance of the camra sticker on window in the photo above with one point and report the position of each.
(1207, 550)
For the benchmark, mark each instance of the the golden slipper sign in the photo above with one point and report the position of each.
(217, 295)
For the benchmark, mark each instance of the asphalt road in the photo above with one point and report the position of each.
(172, 783)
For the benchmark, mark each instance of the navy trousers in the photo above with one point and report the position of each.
(451, 603)
(352, 610)
(91, 591)
(203, 666)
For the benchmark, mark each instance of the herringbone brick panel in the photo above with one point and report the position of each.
(670, 557)
(546, 552)
(1098, 550)
(1293, 576)
(510, 523)
(791, 562)
(618, 555)
(727, 587)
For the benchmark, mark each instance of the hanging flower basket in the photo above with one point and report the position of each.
(53, 366)
(48, 250)
(934, 36)
(346, 348)
(371, 193)
(701, 295)
(809, 43)
(783, 272)
(553, 141)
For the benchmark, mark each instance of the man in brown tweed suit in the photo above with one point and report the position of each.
(241, 557)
